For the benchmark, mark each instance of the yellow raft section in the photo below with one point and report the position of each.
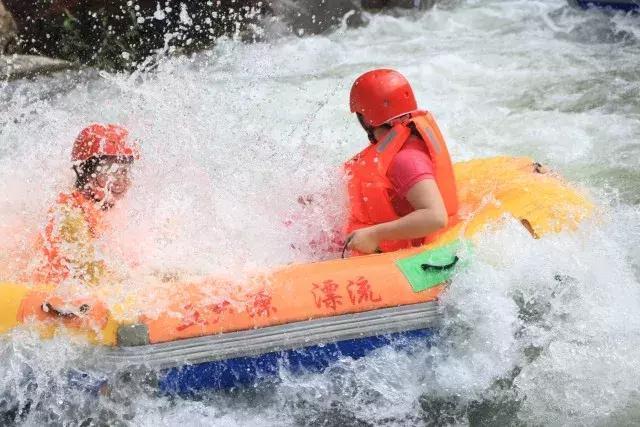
(489, 189)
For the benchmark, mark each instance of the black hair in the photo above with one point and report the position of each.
(414, 130)
(88, 168)
(367, 127)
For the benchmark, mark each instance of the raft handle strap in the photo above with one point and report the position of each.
(539, 168)
(48, 308)
(346, 244)
(431, 267)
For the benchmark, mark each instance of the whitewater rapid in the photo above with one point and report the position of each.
(536, 332)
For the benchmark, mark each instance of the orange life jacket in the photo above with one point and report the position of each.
(55, 266)
(369, 186)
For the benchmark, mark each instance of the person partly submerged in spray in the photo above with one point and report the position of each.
(402, 189)
(102, 156)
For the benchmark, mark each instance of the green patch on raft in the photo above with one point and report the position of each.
(435, 266)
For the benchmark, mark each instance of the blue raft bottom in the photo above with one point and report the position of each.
(245, 371)
(626, 6)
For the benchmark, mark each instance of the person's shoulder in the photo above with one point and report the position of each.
(413, 149)
(414, 142)
(412, 159)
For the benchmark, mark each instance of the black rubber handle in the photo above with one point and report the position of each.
(427, 267)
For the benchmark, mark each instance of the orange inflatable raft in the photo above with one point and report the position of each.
(217, 333)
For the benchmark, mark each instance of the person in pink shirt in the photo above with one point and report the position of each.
(401, 186)
(409, 167)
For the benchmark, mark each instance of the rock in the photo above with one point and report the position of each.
(318, 16)
(14, 67)
(128, 34)
(401, 4)
(123, 34)
(8, 31)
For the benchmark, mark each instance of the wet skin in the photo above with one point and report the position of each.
(109, 184)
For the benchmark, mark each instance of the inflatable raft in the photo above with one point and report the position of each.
(212, 333)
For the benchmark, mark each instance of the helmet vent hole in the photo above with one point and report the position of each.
(386, 103)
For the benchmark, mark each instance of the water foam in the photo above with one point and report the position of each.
(536, 331)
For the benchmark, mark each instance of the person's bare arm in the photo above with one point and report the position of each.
(430, 215)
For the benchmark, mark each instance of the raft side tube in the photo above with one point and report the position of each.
(11, 296)
(256, 342)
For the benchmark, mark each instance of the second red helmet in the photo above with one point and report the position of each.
(381, 95)
(104, 140)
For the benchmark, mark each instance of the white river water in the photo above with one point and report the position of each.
(543, 332)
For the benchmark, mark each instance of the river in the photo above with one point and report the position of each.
(543, 332)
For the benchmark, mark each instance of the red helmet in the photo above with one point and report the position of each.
(103, 140)
(381, 95)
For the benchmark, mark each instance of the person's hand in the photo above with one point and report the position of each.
(365, 240)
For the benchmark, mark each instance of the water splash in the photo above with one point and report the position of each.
(537, 332)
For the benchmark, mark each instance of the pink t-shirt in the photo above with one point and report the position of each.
(411, 165)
